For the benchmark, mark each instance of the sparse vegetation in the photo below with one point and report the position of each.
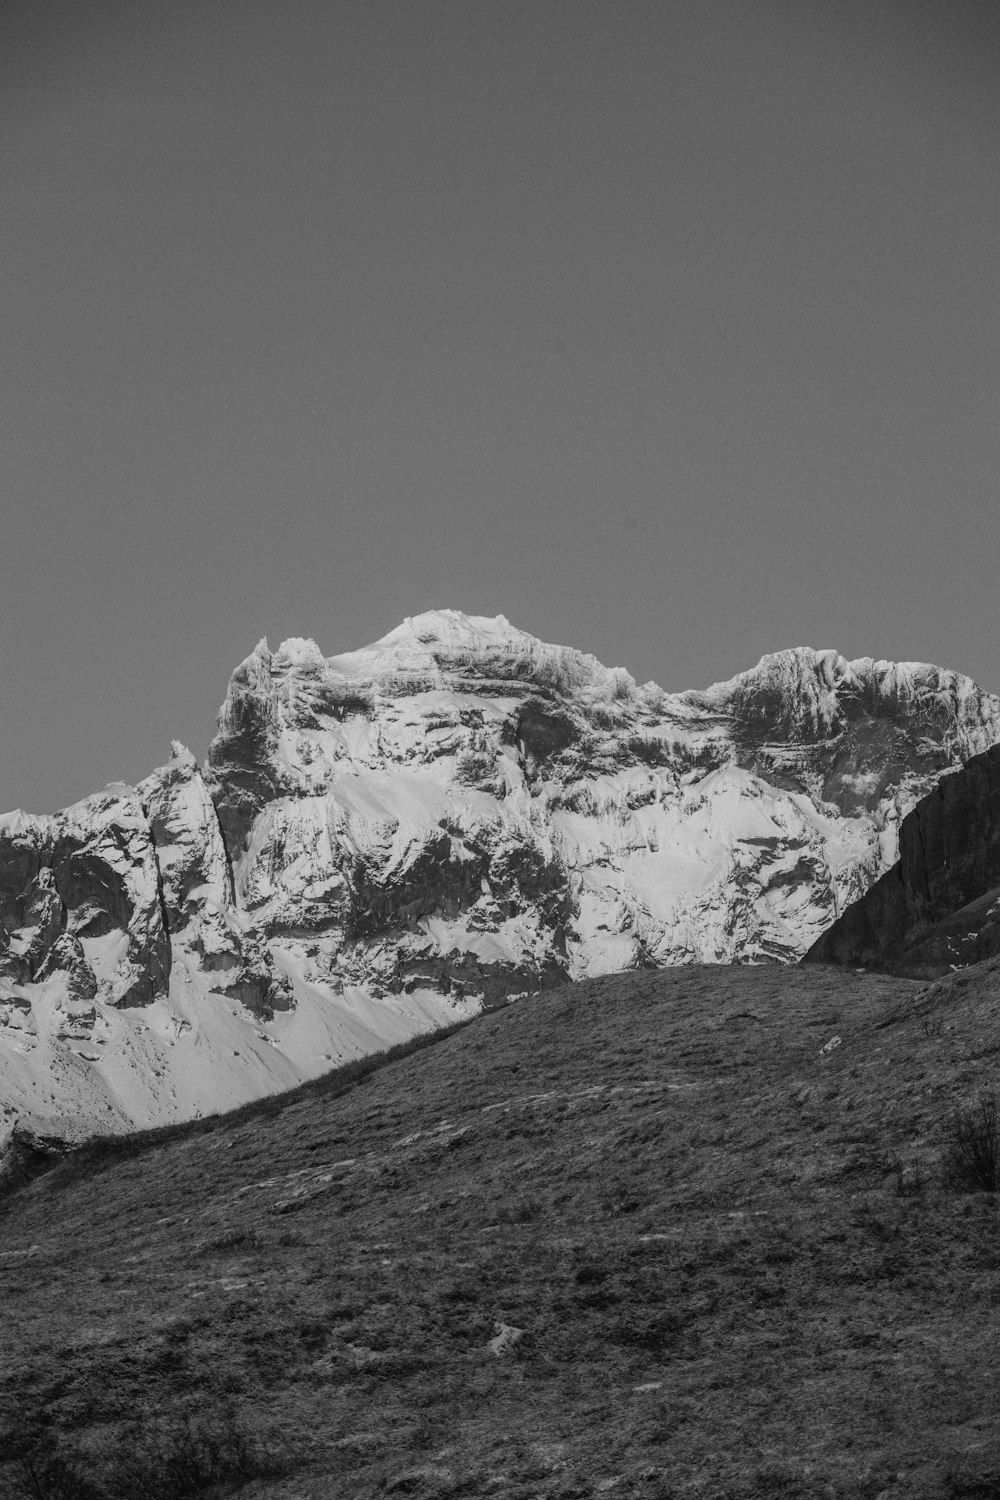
(910, 1179)
(175, 1459)
(716, 1261)
(971, 1163)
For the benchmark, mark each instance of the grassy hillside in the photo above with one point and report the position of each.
(641, 1237)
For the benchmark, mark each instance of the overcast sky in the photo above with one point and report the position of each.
(669, 330)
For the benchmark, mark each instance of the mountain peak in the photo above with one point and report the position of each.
(452, 626)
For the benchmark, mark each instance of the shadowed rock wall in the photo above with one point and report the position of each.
(940, 904)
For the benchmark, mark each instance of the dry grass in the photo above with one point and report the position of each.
(727, 1258)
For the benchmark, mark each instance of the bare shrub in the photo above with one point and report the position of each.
(971, 1162)
(172, 1459)
(188, 1457)
(41, 1472)
(910, 1181)
(961, 1485)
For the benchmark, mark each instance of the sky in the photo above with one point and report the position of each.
(669, 330)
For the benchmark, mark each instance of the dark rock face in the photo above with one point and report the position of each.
(544, 729)
(461, 973)
(241, 754)
(67, 956)
(85, 874)
(940, 904)
(43, 917)
(847, 731)
(23, 851)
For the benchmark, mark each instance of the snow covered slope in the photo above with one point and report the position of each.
(388, 839)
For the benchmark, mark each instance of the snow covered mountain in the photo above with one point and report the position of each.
(385, 840)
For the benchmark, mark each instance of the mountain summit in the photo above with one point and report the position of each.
(391, 838)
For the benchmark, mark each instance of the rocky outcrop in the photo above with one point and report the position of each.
(386, 839)
(190, 852)
(86, 879)
(939, 905)
(196, 889)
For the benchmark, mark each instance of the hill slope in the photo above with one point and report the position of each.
(653, 1235)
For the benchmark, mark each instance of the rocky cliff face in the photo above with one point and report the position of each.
(939, 905)
(389, 838)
